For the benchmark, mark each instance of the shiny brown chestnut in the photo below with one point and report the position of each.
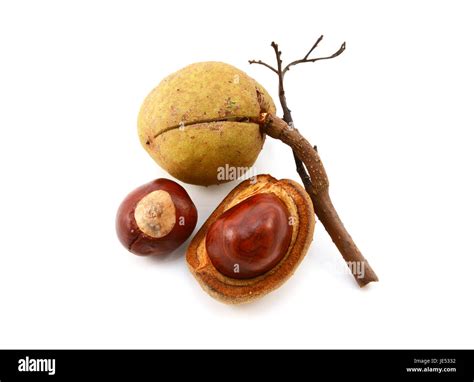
(156, 218)
(250, 238)
(254, 240)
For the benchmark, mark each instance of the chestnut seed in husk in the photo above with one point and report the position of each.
(156, 218)
(253, 241)
(250, 238)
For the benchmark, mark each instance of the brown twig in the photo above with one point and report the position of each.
(319, 192)
(287, 112)
(316, 182)
(306, 59)
(260, 62)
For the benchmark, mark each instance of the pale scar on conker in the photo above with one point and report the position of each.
(202, 118)
(156, 218)
(254, 240)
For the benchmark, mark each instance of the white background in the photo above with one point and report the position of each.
(393, 120)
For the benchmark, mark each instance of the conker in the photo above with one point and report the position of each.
(254, 240)
(250, 238)
(199, 119)
(156, 218)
